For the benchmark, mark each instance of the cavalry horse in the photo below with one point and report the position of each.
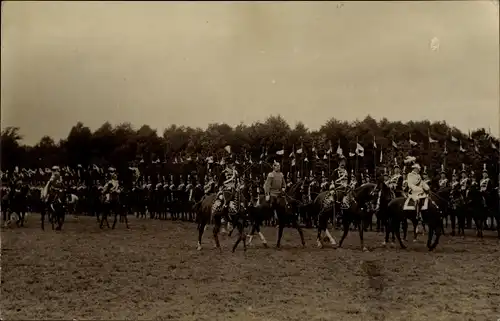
(210, 208)
(354, 210)
(284, 208)
(55, 208)
(113, 204)
(17, 204)
(401, 209)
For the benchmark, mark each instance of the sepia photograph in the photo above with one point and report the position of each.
(250, 160)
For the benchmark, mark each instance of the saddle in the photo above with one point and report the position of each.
(410, 203)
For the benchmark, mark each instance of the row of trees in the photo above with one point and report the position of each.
(437, 144)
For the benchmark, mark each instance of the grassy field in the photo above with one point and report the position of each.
(153, 272)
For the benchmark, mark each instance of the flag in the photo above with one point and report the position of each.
(461, 148)
(374, 143)
(381, 158)
(360, 150)
(306, 160)
(394, 144)
(330, 149)
(280, 152)
(293, 162)
(339, 150)
(299, 151)
(454, 139)
(412, 143)
(228, 149)
(325, 157)
(431, 140)
(493, 145)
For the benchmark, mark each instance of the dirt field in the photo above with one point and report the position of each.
(153, 272)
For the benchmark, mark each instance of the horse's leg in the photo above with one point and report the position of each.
(437, 233)
(388, 230)
(453, 218)
(404, 226)
(396, 223)
(201, 229)
(42, 215)
(361, 231)
(281, 226)
(296, 225)
(321, 226)
(115, 220)
(415, 227)
(241, 236)
(216, 230)
(429, 238)
(346, 222)
(261, 236)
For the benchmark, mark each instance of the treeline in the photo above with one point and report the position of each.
(437, 143)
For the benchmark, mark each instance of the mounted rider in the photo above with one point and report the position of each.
(275, 185)
(396, 181)
(443, 181)
(228, 186)
(341, 179)
(464, 182)
(418, 188)
(54, 184)
(112, 187)
(486, 186)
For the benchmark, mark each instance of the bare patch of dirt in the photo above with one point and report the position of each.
(154, 272)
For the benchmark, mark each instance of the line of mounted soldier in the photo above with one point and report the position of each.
(96, 191)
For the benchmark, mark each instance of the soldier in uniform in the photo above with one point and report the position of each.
(275, 185)
(324, 182)
(485, 186)
(55, 183)
(473, 181)
(230, 177)
(464, 183)
(396, 182)
(340, 176)
(341, 179)
(312, 188)
(443, 181)
(455, 183)
(354, 182)
(418, 188)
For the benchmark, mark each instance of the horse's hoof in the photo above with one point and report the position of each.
(365, 249)
(198, 248)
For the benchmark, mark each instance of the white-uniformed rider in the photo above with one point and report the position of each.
(417, 187)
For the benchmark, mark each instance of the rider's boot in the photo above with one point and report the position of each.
(419, 215)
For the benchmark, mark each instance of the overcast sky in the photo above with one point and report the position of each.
(196, 63)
